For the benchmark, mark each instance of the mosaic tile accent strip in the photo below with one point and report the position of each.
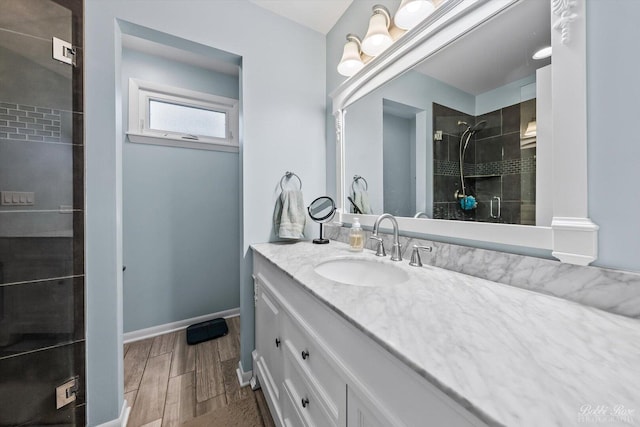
(503, 167)
(29, 123)
(451, 168)
(506, 167)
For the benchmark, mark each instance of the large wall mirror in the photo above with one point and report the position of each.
(453, 129)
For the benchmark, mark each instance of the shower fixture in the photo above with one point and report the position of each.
(467, 202)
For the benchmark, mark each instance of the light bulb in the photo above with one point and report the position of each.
(412, 12)
(531, 129)
(378, 37)
(351, 61)
(543, 53)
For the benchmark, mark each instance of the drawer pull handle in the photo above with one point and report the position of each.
(277, 342)
(305, 402)
(305, 354)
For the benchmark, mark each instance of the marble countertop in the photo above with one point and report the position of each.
(510, 356)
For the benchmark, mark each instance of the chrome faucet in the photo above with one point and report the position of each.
(416, 261)
(396, 253)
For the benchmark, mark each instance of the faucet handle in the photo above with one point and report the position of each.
(416, 261)
(380, 248)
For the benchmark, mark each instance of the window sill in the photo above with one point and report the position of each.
(180, 143)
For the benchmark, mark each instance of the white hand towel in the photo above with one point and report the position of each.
(361, 199)
(290, 216)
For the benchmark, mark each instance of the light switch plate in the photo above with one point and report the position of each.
(17, 198)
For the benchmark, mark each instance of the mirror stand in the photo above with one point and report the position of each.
(321, 240)
(322, 210)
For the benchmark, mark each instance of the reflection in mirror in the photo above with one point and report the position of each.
(455, 137)
(322, 210)
(359, 196)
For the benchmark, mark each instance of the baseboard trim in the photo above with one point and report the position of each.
(153, 331)
(244, 377)
(122, 420)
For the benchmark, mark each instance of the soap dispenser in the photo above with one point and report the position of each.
(356, 236)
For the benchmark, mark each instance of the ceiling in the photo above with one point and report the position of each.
(497, 52)
(319, 15)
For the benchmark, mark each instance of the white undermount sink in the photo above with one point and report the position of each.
(361, 272)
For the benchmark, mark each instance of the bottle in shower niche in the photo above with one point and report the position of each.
(356, 236)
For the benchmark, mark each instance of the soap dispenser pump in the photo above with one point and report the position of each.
(356, 236)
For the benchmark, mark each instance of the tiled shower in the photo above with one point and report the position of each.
(42, 333)
(499, 165)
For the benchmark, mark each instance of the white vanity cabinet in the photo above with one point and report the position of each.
(269, 341)
(324, 371)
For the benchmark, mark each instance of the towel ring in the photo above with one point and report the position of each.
(287, 176)
(357, 178)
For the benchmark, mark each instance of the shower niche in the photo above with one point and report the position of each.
(491, 158)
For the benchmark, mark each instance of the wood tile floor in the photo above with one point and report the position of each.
(170, 383)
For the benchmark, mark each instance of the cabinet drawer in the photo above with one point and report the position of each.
(308, 398)
(314, 360)
(268, 353)
(290, 409)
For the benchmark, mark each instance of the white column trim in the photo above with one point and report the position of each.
(244, 377)
(122, 420)
(575, 236)
(575, 240)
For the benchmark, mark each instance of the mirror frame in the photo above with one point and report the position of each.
(572, 237)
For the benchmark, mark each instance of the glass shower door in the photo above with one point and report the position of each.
(42, 336)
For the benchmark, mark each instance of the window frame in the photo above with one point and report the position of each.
(142, 92)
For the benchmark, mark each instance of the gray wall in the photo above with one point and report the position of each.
(354, 20)
(399, 178)
(613, 146)
(282, 127)
(48, 86)
(180, 212)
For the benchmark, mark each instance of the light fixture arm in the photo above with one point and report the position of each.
(354, 38)
(379, 9)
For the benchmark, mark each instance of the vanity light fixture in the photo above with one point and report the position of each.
(378, 37)
(412, 12)
(531, 129)
(351, 61)
(543, 53)
(382, 32)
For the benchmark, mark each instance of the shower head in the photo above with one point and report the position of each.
(460, 122)
(479, 126)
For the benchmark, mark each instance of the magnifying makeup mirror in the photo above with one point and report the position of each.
(322, 210)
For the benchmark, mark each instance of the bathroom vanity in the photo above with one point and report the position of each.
(436, 348)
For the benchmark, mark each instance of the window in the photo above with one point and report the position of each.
(165, 115)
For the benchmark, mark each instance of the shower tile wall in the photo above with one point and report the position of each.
(495, 165)
(41, 243)
(446, 164)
